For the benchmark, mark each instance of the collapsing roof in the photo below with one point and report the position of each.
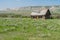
(42, 12)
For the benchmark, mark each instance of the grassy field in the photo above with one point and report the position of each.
(29, 29)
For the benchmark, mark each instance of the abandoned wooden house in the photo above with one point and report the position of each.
(45, 14)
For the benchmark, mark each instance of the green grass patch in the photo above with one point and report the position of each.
(29, 29)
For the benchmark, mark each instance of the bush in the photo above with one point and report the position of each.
(25, 16)
(56, 16)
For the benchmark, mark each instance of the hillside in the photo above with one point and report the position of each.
(25, 11)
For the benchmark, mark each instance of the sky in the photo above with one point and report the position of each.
(23, 3)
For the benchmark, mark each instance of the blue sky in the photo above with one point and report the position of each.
(22, 3)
